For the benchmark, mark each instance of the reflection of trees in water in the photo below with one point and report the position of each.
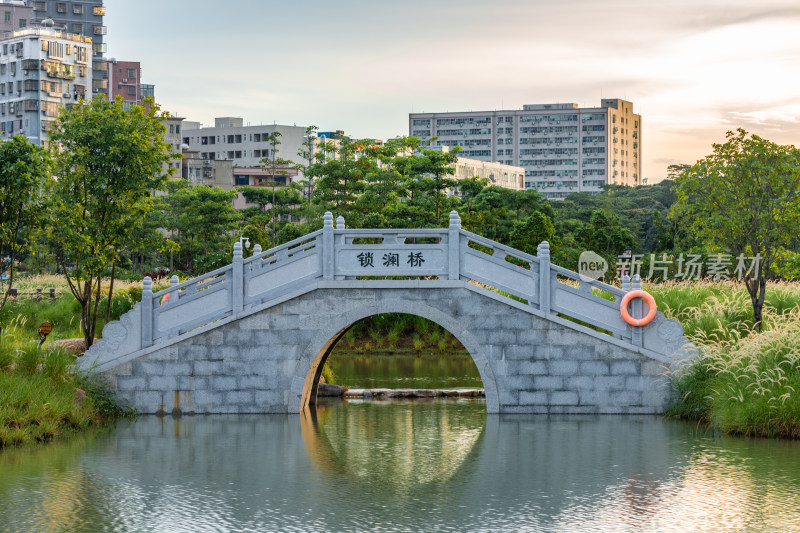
(376, 371)
(398, 445)
(46, 488)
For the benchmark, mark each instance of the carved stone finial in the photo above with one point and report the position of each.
(637, 282)
(626, 282)
(340, 222)
(543, 250)
(237, 249)
(327, 219)
(147, 284)
(455, 220)
(256, 249)
(174, 281)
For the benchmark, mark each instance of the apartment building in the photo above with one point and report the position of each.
(499, 174)
(124, 80)
(14, 15)
(41, 69)
(562, 147)
(82, 17)
(172, 135)
(231, 140)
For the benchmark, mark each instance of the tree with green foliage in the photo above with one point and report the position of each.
(202, 221)
(307, 152)
(744, 199)
(25, 171)
(528, 233)
(277, 168)
(434, 168)
(109, 160)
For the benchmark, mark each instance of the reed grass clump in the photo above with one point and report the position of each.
(741, 381)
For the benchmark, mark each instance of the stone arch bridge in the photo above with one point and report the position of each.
(253, 336)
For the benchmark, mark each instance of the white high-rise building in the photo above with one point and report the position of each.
(41, 70)
(562, 147)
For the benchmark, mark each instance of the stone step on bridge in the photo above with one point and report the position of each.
(253, 336)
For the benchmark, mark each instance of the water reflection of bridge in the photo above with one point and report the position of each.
(353, 469)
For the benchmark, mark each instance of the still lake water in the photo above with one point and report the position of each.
(440, 465)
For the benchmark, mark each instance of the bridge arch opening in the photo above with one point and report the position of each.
(444, 332)
(401, 351)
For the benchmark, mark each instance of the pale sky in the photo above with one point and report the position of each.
(693, 68)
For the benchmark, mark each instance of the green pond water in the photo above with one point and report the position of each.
(439, 465)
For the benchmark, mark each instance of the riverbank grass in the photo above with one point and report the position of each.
(741, 381)
(45, 398)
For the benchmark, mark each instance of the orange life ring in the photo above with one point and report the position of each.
(626, 316)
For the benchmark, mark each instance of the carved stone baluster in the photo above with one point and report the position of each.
(636, 306)
(237, 289)
(147, 312)
(327, 246)
(454, 243)
(543, 253)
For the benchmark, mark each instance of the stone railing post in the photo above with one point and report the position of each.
(626, 286)
(237, 290)
(543, 253)
(173, 282)
(340, 222)
(147, 312)
(636, 307)
(454, 246)
(327, 246)
(256, 249)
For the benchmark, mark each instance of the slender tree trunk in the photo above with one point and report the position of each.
(111, 291)
(273, 210)
(86, 301)
(757, 288)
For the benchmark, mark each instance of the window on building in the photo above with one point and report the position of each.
(178, 129)
(238, 154)
(7, 16)
(23, 23)
(238, 138)
(77, 28)
(61, 7)
(132, 92)
(77, 9)
(242, 180)
(39, 6)
(2, 68)
(172, 128)
(131, 72)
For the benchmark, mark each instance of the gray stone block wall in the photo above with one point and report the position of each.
(528, 363)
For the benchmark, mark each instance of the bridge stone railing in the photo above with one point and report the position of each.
(335, 254)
